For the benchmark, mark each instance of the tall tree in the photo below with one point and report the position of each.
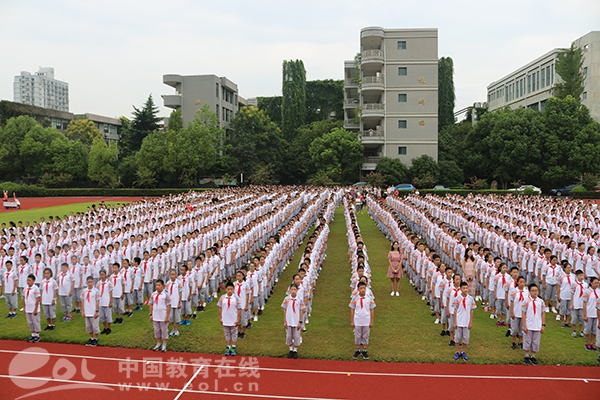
(102, 163)
(337, 154)
(175, 121)
(272, 107)
(446, 96)
(13, 163)
(324, 100)
(84, 130)
(293, 103)
(145, 121)
(569, 64)
(394, 171)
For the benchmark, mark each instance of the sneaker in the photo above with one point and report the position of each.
(164, 347)
(423, 298)
(176, 333)
(188, 322)
(227, 351)
(448, 333)
(94, 343)
(558, 317)
(492, 317)
(513, 346)
(594, 348)
(209, 300)
(534, 361)
(588, 347)
(157, 347)
(503, 324)
(103, 331)
(295, 354)
(574, 334)
(242, 335)
(356, 354)
(194, 316)
(365, 355)
(290, 354)
(464, 357)
(498, 323)
(255, 319)
(304, 330)
(567, 325)
(527, 361)
(171, 333)
(451, 343)
(30, 339)
(201, 309)
(456, 356)
(508, 333)
(249, 326)
(428, 303)
(9, 315)
(182, 322)
(35, 339)
(52, 327)
(443, 333)
(485, 309)
(581, 334)
(108, 331)
(391, 294)
(47, 328)
(260, 312)
(521, 346)
(554, 310)
(89, 342)
(233, 352)
(397, 294)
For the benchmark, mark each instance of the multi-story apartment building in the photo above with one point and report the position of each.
(532, 84)
(193, 91)
(41, 89)
(391, 94)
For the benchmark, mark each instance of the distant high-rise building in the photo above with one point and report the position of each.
(193, 91)
(391, 94)
(42, 90)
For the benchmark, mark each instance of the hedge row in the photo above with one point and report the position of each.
(460, 192)
(584, 195)
(38, 191)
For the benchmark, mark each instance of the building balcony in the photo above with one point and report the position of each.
(172, 79)
(172, 101)
(351, 124)
(348, 83)
(372, 83)
(372, 110)
(370, 56)
(351, 103)
(372, 31)
(370, 163)
(372, 135)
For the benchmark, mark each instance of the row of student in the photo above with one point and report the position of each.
(527, 316)
(362, 300)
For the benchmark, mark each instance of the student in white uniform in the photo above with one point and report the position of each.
(230, 314)
(90, 299)
(160, 310)
(31, 306)
(105, 288)
(49, 292)
(174, 289)
(577, 293)
(78, 274)
(11, 282)
(118, 293)
(293, 308)
(361, 319)
(590, 315)
(518, 297)
(533, 314)
(463, 306)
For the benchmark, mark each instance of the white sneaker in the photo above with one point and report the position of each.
(391, 294)
(397, 294)
(255, 318)
(554, 310)
(423, 298)
(437, 321)
(157, 347)
(307, 320)
(176, 333)
(491, 316)
(164, 347)
(558, 317)
(21, 309)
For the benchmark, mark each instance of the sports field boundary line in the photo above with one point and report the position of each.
(188, 382)
(312, 371)
(163, 389)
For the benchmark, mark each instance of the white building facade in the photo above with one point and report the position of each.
(41, 89)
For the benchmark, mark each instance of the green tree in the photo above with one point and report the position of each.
(175, 121)
(262, 175)
(446, 96)
(293, 103)
(150, 160)
(324, 97)
(450, 173)
(337, 154)
(36, 149)
(569, 64)
(83, 130)
(144, 122)
(394, 171)
(102, 163)
(422, 166)
(70, 157)
(272, 108)
(376, 179)
(13, 162)
(127, 170)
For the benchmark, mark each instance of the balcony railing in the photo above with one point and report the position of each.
(350, 82)
(371, 159)
(372, 55)
(372, 134)
(351, 123)
(372, 107)
(351, 103)
(372, 80)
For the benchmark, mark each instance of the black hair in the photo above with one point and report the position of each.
(462, 284)
(229, 284)
(32, 276)
(48, 269)
(361, 284)
(532, 285)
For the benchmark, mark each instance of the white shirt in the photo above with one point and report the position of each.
(533, 313)
(362, 307)
(229, 309)
(160, 302)
(463, 306)
(30, 296)
(48, 288)
(293, 306)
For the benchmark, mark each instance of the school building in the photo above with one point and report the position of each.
(532, 84)
(391, 94)
(41, 89)
(193, 91)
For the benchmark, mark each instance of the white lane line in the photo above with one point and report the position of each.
(188, 383)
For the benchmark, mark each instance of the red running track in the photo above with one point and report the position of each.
(58, 371)
(29, 203)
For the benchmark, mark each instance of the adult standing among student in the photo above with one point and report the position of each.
(468, 267)
(395, 268)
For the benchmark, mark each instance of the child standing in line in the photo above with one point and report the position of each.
(105, 288)
(452, 294)
(185, 280)
(11, 281)
(160, 309)
(517, 299)
(118, 293)
(49, 289)
(138, 284)
(577, 293)
(127, 276)
(533, 315)
(77, 274)
(89, 311)
(174, 289)
(243, 293)
(230, 314)
(361, 319)
(567, 283)
(66, 284)
(293, 308)
(502, 281)
(590, 314)
(31, 306)
(463, 306)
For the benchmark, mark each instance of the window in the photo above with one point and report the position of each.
(506, 95)
(105, 128)
(217, 94)
(586, 47)
(402, 98)
(552, 73)
(402, 45)
(112, 130)
(521, 88)
(543, 77)
(548, 75)
(401, 150)
(528, 84)
(537, 76)
(533, 82)
(585, 95)
(217, 110)
(402, 71)
(402, 124)
(236, 99)
(585, 71)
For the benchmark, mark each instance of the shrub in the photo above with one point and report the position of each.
(578, 189)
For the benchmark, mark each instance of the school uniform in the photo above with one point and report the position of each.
(552, 274)
(65, 282)
(229, 314)
(185, 282)
(30, 296)
(11, 280)
(362, 307)
(241, 291)
(501, 284)
(518, 299)
(590, 302)
(293, 307)
(174, 289)
(77, 274)
(138, 297)
(146, 271)
(127, 278)
(533, 310)
(89, 298)
(578, 291)
(567, 283)
(48, 292)
(105, 288)
(462, 313)
(160, 302)
(117, 292)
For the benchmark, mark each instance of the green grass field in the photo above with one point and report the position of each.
(403, 331)
(37, 213)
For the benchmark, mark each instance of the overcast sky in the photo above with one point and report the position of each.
(113, 53)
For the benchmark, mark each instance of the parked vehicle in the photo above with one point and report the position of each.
(404, 186)
(535, 189)
(441, 187)
(564, 191)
